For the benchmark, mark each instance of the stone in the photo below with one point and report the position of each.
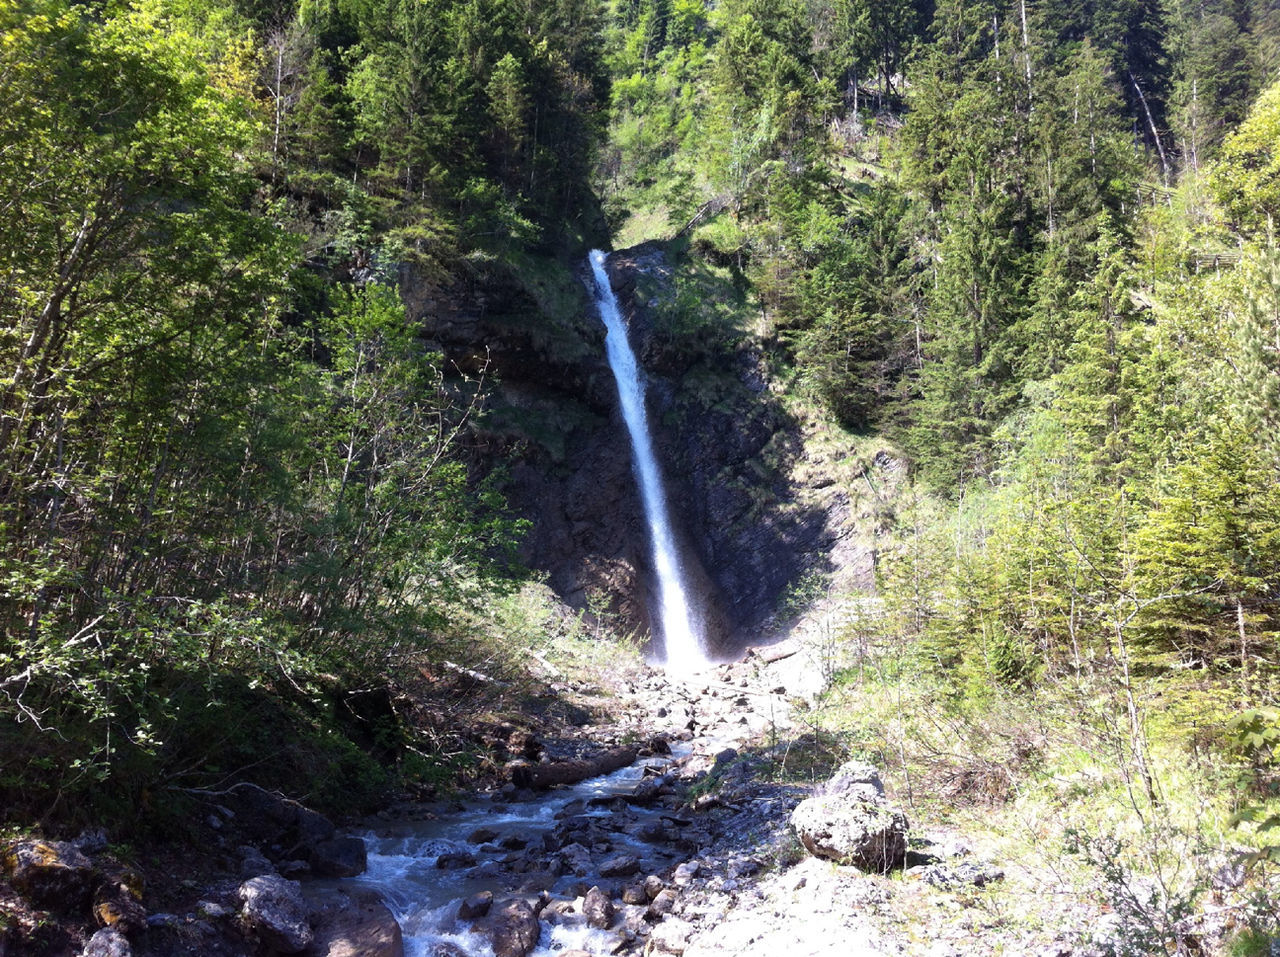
(253, 863)
(634, 894)
(671, 936)
(107, 943)
(477, 905)
(481, 835)
(275, 912)
(684, 873)
(512, 928)
(52, 874)
(849, 822)
(116, 907)
(624, 865)
(653, 886)
(598, 908)
(455, 860)
(364, 927)
(951, 876)
(339, 857)
(576, 858)
(663, 903)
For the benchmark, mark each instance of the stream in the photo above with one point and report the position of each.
(556, 844)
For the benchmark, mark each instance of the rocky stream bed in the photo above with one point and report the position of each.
(695, 847)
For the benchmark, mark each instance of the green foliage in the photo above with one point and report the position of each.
(1246, 177)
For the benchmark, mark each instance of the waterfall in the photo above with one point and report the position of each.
(681, 632)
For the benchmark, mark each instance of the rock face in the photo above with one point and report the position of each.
(275, 912)
(850, 822)
(747, 526)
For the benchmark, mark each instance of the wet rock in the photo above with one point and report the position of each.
(561, 912)
(624, 865)
(339, 857)
(477, 905)
(107, 943)
(359, 927)
(653, 886)
(576, 858)
(51, 874)
(850, 822)
(455, 861)
(274, 911)
(598, 908)
(511, 927)
(482, 835)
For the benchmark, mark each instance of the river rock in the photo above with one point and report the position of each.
(339, 857)
(634, 894)
(850, 822)
(107, 943)
(274, 911)
(477, 905)
(624, 865)
(51, 874)
(481, 835)
(361, 927)
(455, 860)
(598, 908)
(663, 903)
(653, 886)
(512, 928)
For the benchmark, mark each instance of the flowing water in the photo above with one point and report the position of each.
(681, 631)
(425, 898)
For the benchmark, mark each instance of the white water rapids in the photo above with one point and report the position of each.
(681, 630)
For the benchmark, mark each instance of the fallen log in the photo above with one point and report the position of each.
(571, 772)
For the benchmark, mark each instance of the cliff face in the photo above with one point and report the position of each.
(752, 521)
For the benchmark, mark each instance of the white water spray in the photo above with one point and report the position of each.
(681, 633)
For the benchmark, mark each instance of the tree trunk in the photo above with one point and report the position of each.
(571, 772)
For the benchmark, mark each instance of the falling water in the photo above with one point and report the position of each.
(681, 634)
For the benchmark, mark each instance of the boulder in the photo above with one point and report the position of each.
(339, 857)
(511, 927)
(624, 865)
(51, 874)
(598, 908)
(850, 822)
(455, 860)
(363, 927)
(274, 911)
(477, 905)
(107, 943)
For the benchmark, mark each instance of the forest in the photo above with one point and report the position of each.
(1030, 244)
